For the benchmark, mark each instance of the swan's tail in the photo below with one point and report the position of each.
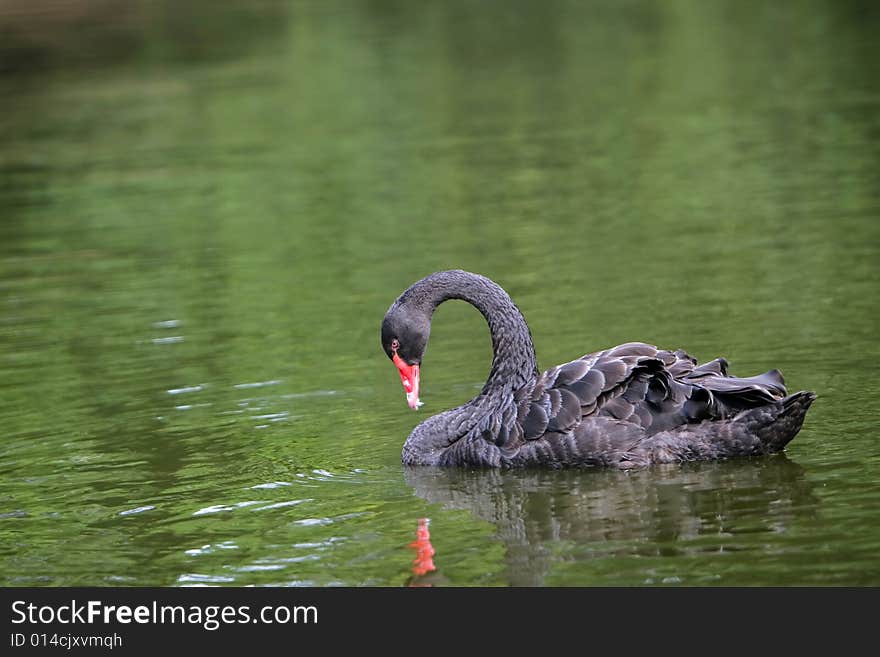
(785, 419)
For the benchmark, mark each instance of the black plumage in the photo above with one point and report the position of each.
(628, 406)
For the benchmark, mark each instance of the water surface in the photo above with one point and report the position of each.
(205, 215)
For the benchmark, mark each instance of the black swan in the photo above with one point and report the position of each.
(628, 406)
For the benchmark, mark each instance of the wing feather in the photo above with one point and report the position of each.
(634, 385)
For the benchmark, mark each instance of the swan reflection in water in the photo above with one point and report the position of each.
(654, 512)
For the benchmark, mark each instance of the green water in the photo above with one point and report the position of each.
(204, 216)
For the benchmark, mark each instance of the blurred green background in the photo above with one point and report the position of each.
(207, 207)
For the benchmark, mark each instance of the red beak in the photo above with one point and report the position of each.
(409, 376)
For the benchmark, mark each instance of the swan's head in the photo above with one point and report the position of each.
(405, 332)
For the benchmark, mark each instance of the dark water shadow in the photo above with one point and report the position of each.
(665, 511)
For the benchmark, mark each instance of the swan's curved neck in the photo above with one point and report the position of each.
(513, 362)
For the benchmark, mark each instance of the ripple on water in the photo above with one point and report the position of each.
(199, 579)
(189, 407)
(313, 393)
(136, 510)
(320, 545)
(220, 508)
(286, 560)
(273, 484)
(256, 567)
(257, 384)
(169, 340)
(272, 417)
(279, 505)
(279, 563)
(185, 389)
(211, 548)
(316, 522)
(319, 474)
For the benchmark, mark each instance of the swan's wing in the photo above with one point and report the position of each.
(565, 394)
(640, 385)
(733, 394)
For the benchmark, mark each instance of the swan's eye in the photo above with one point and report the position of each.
(395, 345)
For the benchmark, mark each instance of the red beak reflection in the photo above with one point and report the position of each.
(424, 561)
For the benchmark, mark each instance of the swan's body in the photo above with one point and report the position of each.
(628, 406)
